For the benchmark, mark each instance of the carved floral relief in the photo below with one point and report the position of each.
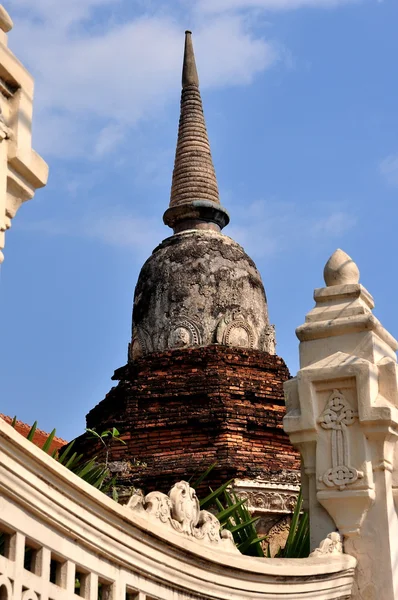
(180, 510)
(268, 501)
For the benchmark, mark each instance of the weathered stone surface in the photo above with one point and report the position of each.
(199, 288)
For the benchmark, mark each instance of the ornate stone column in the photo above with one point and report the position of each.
(22, 170)
(342, 414)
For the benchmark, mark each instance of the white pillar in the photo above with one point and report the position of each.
(342, 414)
(22, 170)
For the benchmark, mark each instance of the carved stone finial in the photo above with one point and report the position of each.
(331, 545)
(181, 512)
(340, 269)
(6, 23)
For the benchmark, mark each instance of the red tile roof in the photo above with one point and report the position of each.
(40, 436)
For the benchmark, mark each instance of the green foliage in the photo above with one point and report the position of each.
(298, 541)
(98, 475)
(113, 433)
(233, 515)
(107, 439)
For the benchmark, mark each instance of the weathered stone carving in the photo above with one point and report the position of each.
(277, 534)
(337, 416)
(200, 276)
(273, 495)
(185, 332)
(234, 330)
(268, 501)
(134, 350)
(140, 344)
(269, 344)
(180, 510)
(332, 544)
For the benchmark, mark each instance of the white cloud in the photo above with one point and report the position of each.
(119, 229)
(389, 169)
(103, 66)
(271, 5)
(265, 228)
(59, 14)
(333, 225)
(126, 231)
(108, 139)
(93, 81)
(270, 228)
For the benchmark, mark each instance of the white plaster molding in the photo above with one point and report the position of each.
(180, 510)
(22, 170)
(340, 269)
(332, 545)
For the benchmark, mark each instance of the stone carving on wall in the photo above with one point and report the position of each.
(269, 344)
(180, 511)
(277, 534)
(234, 330)
(183, 333)
(140, 344)
(268, 501)
(331, 545)
(337, 416)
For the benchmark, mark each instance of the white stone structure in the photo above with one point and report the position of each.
(342, 413)
(22, 170)
(57, 529)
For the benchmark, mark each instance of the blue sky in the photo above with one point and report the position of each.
(300, 98)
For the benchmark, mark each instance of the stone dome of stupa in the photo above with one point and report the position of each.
(198, 287)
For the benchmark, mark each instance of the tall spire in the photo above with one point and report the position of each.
(189, 72)
(194, 200)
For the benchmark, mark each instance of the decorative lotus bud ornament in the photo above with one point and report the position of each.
(340, 269)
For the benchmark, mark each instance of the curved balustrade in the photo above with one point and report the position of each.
(59, 530)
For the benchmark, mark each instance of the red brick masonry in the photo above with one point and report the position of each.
(181, 410)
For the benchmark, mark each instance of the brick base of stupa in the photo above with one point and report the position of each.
(182, 410)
